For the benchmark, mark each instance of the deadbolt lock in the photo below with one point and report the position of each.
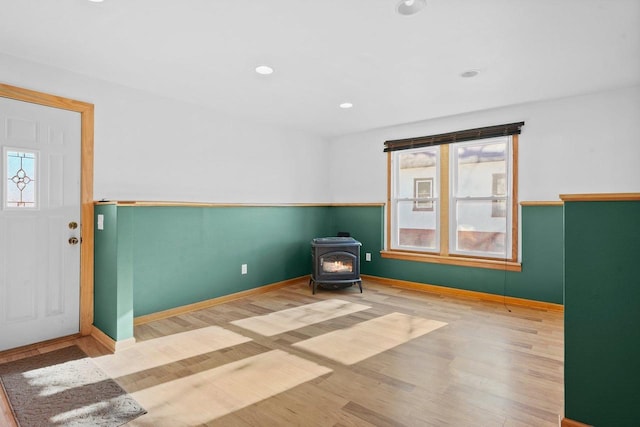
(73, 225)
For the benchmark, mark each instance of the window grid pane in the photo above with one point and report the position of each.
(480, 195)
(415, 200)
(476, 231)
(416, 230)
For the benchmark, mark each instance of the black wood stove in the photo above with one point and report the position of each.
(336, 262)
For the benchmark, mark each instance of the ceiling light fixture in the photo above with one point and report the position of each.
(346, 105)
(410, 7)
(96, 1)
(469, 73)
(264, 70)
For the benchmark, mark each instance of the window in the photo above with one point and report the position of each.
(454, 202)
(20, 179)
(499, 188)
(416, 209)
(476, 169)
(422, 192)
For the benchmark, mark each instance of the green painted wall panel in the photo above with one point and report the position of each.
(150, 259)
(542, 273)
(113, 273)
(542, 256)
(125, 268)
(189, 254)
(365, 224)
(602, 313)
(105, 272)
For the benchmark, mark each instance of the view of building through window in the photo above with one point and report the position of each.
(478, 197)
(478, 186)
(417, 201)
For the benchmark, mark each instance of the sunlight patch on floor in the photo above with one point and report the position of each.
(205, 396)
(299, 317)
(366, 339)
(168, 349)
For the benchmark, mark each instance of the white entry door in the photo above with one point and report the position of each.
(39, 223)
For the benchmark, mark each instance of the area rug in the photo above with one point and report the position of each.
(298, 317)
(65, 388)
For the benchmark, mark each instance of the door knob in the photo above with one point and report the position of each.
(73, 240)
(73, 225)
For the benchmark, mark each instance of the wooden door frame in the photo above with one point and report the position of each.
(86, 187)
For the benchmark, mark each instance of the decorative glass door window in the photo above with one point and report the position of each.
(20, 179)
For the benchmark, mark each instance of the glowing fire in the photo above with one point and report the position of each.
(337, 267)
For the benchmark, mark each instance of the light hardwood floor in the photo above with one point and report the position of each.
(475, 364)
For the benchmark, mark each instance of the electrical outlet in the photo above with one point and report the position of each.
(243, 269)
(367, 256)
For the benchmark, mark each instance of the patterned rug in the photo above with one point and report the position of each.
(65, 388)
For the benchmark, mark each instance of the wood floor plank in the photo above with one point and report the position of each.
(196, 399)
(6, 416)
(489, 366)
(289, 319)
(366, 339)
(167, 349)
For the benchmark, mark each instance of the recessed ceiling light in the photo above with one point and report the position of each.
(264, 69)
(469, 73)
(346, 105)
(96, 1)
(410, 7)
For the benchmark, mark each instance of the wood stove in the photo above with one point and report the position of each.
(336, 263)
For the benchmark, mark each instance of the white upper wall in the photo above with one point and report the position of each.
(152, 148)
(582, 144)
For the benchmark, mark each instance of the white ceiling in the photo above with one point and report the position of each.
(394, 69)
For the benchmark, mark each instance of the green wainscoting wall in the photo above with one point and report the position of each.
(542, 256)
(189, 254)
(602, 312)
(366, 225)
(113, 278)
(154, 258)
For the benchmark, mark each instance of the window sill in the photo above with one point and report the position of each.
(493, 264)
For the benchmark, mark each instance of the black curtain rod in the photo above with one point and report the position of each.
(451, 137)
